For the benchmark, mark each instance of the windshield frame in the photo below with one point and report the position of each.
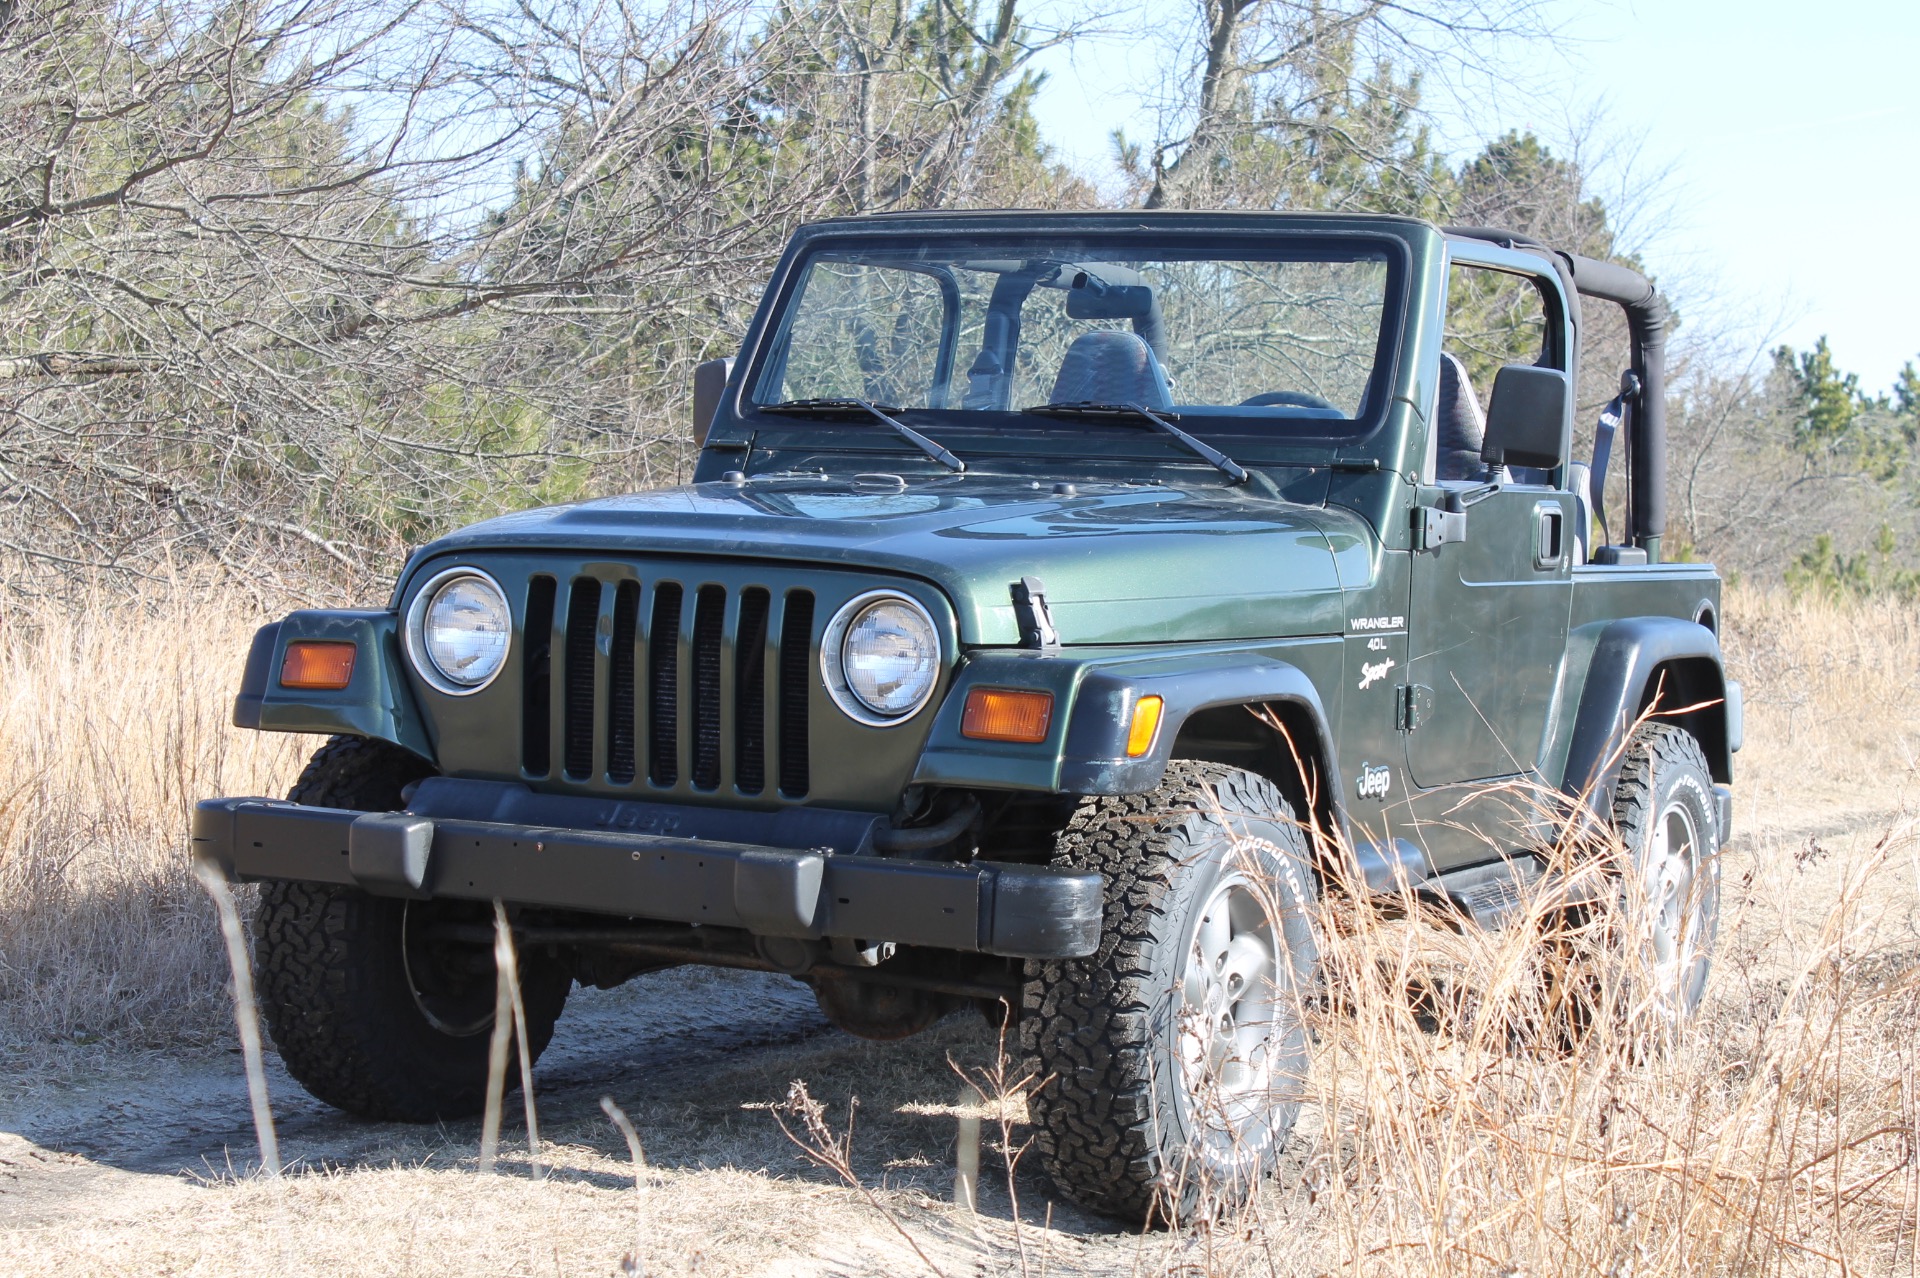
(975, 428)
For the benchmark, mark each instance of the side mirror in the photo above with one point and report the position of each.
(709, 380)
(1527, 421)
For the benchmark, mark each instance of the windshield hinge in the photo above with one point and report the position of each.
(1036, 623)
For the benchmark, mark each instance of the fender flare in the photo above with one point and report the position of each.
(1094, 698)
(377, 701)
(1095, 760)
(1619, 681)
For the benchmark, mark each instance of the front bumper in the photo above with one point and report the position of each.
(803, 873)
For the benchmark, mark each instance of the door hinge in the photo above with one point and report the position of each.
(1413, 704)
(1433, 528)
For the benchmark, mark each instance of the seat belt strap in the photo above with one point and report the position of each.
(1603, 433)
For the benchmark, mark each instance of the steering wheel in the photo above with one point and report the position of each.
(1287, 399)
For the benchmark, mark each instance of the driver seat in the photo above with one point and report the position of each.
(1109, 366)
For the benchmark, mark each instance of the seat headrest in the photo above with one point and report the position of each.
(1111, 367)
(1460, 426)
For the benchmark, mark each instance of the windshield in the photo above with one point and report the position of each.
(1223, 335)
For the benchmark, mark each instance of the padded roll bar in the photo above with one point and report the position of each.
(1647, 322)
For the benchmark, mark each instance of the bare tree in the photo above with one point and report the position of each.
(324, 276)
(1285, 73)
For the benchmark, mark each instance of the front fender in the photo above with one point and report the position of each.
(1094, 696)
(377, 701)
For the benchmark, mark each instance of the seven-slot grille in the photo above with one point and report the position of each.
(693, 682)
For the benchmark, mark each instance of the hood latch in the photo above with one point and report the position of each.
(1036, 623)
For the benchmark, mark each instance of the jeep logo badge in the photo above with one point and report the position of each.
(1373, 782)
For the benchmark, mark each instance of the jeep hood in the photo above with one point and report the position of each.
(1122, 563)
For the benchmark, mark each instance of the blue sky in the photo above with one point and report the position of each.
(1782, 142)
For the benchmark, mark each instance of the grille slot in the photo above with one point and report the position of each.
(583, 618)
(621, 758)
(663, 685)
(750, 693)
(536, 675)
(796, 650)
(709, 622)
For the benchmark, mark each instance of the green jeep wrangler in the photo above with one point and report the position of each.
(1061, 603)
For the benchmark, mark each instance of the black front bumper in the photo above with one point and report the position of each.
(803, 873)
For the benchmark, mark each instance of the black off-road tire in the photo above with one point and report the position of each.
(1664, 780)
(1118, 1124)
(359, 773)
(334, 981)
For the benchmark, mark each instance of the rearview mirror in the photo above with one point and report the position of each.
(1527, 422)
(1114, 292)
(709, 380)
(1089, 297)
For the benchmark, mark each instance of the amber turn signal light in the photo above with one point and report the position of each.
(1007, 714)
(1146, 725)
(318, 664)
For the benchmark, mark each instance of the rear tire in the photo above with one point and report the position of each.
(1172, 1061)
(369, 1015)
(1666, 816)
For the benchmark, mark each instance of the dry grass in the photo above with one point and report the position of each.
(1781, 1137)
(113, 720)
(1833, 705)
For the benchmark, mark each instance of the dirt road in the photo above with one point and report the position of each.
(187, 1120)
(125, 1161)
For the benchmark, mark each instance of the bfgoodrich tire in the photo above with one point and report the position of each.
(370, 1013)
(1172, 1061)
(1665, 814)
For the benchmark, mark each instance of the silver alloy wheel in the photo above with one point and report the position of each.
(1230, 1006)
(1675, 922)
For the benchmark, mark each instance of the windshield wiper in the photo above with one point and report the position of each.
(845, 407)
(1088, 408)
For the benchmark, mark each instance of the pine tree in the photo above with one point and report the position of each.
(1830, 400)
(1906, 400)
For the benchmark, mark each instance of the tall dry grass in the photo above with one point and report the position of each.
(1455, 1123)
(113, 721)
(1463, 1131)
(1833, 704)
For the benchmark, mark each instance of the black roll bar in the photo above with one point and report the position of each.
(1647, 323)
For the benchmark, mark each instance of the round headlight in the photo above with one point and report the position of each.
(882, 657)
(459, 631)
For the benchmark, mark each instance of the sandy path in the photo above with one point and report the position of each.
(188, 1120)
(150, 1163)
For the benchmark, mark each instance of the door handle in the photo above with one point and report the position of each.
(1549, 535)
